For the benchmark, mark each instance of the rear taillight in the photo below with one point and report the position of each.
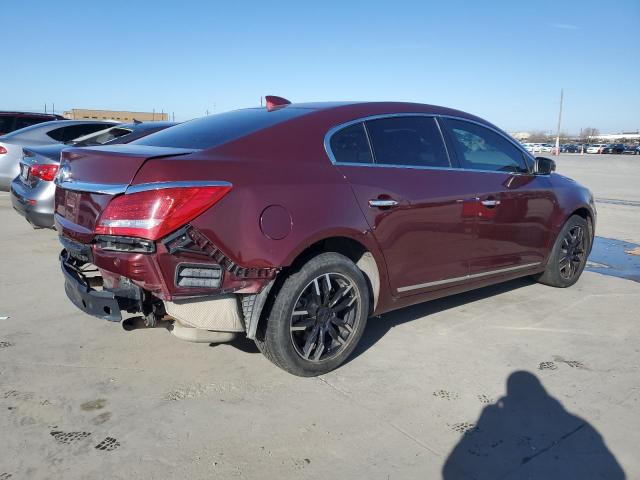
(2, 150)
(152, 214)
(45, 172)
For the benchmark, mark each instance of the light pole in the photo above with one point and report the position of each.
(557, 151)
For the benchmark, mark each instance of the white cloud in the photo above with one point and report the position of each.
(565, 26)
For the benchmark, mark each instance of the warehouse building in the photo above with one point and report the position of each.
(121, 116)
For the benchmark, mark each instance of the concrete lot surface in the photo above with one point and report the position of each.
(518, 380)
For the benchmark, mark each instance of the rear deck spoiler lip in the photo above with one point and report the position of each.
(64, 180)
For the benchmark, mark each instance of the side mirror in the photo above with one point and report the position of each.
(544, 166)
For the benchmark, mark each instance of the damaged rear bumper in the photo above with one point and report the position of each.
(104, 304)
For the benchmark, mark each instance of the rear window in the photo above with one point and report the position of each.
(101, 137)
(71, 132)
(214, 130)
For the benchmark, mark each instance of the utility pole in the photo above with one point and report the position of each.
(173, 116)
(45, 107)
(53, 108)
(557, 151)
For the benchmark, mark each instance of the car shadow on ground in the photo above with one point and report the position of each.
(528, 434)
(378, 327)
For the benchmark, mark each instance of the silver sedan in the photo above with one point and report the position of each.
(58, 131)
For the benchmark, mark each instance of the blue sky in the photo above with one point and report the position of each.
(504, 61)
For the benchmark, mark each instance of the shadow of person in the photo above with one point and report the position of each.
(529, 434)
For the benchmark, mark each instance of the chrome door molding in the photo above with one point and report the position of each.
(466, 277)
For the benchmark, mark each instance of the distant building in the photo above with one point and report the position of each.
(122, 116)
(617, 136)
(520, 136)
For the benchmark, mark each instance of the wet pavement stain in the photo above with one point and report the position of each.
(93, 405)
(102, 418)
(616, 258)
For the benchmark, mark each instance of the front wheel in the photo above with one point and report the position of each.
(317, 318)
(569, 254)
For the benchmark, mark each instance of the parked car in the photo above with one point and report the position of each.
(10, 121)
(632, 150)
(533, 147)
(547, 147)
(293, 224)
(613, 148)
(596, 148)
(44, 133)
(32, 192)
(571, 148)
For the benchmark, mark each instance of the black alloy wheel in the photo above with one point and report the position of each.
(323, 317)
(573, 254)
(569, 254)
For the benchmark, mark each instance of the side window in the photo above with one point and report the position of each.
(408, 141)
(350, 145)
(479, 148)
(57, 134)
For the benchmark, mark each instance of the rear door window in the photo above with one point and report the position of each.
(479, 148)
(411, 141)
(350, 145)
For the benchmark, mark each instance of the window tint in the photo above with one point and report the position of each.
(6, 124)
(71, 132)
(411, 141)
(57, 134)
(350, 145)
(214, 130)
(22, 122)
(479, 148)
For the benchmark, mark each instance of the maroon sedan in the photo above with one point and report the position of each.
(292, 224)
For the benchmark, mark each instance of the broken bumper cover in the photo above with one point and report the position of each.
(104, 304)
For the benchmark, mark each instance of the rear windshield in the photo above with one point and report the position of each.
(214, 130)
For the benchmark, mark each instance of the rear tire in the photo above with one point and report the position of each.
(569, 254)
(317, 317)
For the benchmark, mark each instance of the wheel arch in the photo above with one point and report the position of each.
(589, 217)
(357, 251)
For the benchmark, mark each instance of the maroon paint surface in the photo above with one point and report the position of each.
(439, 230)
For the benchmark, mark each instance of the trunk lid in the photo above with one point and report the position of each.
(90, 177)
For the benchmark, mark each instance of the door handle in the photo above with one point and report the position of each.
(382, 203)
(490, 203)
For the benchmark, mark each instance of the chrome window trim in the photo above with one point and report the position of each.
(335, 129)
(466, 277)
(91, 187)
(145, 187)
